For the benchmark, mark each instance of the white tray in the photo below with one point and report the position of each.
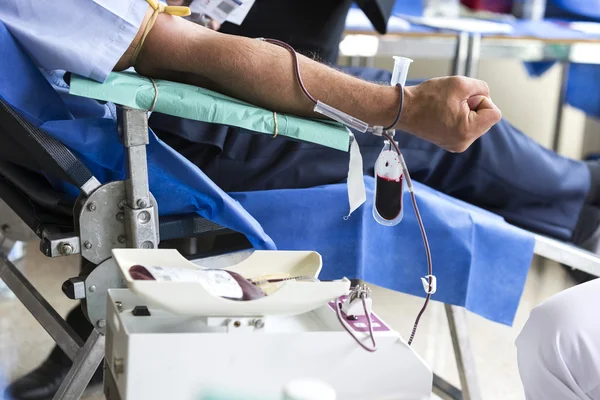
(191, 298)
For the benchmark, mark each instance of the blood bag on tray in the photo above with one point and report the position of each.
(387, 202)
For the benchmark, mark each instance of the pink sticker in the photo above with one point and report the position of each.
(360, 324)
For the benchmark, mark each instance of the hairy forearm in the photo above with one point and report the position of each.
(258, 72)
(451, 112)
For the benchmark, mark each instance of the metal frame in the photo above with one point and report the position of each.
(562, 97)
(139, 215)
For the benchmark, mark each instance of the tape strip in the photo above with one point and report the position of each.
(357, 193)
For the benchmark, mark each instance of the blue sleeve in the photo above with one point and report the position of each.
(86, 37)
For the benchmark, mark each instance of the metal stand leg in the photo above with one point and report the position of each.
(86, 357)
(459, 66)
(457, 321)
(57, 328)
(83, 368)
(445, 390)
(466, 63)
(474, 55)
(564, 80)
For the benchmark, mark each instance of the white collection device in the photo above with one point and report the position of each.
(217, 348)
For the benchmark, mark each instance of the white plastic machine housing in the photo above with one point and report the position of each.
(192, 298)
(168, 355)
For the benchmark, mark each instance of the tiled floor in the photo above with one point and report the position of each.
(23, 343)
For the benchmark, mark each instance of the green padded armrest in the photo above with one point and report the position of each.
(187, 101)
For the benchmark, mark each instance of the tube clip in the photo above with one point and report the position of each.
(429, 289)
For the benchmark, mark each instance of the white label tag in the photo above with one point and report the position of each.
(357, 193)
(239, 14)
(217, 282)
(218, 10)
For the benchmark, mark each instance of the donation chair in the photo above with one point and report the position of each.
(114, 215)
(123, 213)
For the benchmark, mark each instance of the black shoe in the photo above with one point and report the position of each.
(587, 236)
(43, 382)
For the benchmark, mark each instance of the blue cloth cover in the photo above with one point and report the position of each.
(480, 261)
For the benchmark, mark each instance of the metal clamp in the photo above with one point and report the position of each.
(141, 216)
(105, 276)
(74, 288)
(354, 305)
(59, 245)
(140, 226)
(104, 218)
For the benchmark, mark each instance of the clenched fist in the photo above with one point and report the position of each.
(451, 112)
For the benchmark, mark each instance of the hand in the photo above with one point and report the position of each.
(451, 112)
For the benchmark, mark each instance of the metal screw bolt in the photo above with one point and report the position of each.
(120, 217)
(259, 324)
(91, 207)
(141, 203)
(65, 249)
(144, 217)
(87, 245)
(92, 289)
(122, 239)
(122, 204)
(119, 306)
(147, 245)
(237, 324)
(101, 324)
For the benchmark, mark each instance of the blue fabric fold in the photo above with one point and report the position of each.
(481, 262)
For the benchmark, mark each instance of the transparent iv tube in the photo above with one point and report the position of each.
(401, 66)
(341, 117)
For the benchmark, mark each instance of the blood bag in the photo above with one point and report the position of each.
(387, 202)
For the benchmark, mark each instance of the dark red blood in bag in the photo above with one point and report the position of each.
(388, 199)
(139, 273)
(249, 290)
